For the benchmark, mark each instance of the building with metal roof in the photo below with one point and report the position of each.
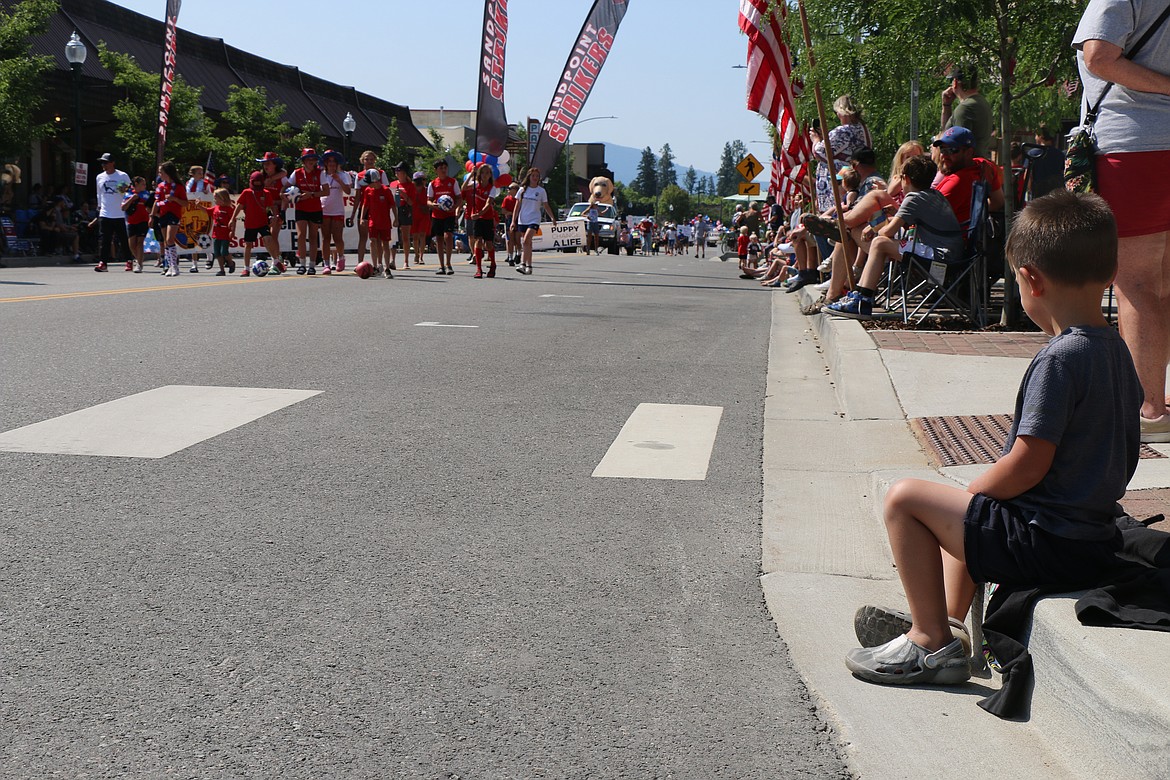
(209, 63)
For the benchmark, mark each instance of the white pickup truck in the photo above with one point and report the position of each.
(607, 217)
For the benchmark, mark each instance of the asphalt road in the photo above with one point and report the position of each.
(412, 574)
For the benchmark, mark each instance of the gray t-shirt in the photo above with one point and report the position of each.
(934, 221)
(1082, 394)
(1129, 121)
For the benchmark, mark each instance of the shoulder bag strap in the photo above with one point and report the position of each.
(1091, 115)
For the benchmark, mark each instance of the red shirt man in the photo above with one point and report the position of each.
(961, 169)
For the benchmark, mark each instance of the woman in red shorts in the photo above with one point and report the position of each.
(1133, 166)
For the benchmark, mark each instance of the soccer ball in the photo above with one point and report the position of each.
(364, 269)
(446, 203)
(292, 193)
(260, 268)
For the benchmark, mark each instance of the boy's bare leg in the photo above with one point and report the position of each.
(923, 519)
(881, 251)
(960, 587)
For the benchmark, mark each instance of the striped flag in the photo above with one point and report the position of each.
(770, 93)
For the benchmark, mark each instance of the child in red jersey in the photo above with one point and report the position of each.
(307, 183)
(481, 218)
(134, 204)
(742, 242)
(221, 232)
(420, 230)
(170, 201)
(378, 205)
(404, 197)
(508, 207)
(258, 205)
(443, 219)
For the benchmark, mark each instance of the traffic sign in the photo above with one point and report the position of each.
(749, 188)
(749, 167)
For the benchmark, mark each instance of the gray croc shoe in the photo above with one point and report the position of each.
(877, 625)
(902, 662)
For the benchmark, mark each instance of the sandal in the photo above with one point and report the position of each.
(819, 226)
(816, 306)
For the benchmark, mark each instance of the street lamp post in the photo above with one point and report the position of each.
(75, 53)
(568, 172)
(349, 124)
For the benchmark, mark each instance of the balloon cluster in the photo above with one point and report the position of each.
(501, 171)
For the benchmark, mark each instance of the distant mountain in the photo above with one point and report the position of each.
(623, 161)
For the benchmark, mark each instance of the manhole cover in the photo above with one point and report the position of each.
(971, 439)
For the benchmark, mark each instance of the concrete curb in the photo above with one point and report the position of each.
(855, 363)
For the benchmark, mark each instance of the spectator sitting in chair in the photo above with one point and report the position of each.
(961, 168)
(937, 235)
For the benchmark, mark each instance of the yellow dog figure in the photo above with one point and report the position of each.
(9, 177)
(601, 190)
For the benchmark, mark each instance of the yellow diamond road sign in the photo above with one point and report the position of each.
(749, 167)
(749, 188)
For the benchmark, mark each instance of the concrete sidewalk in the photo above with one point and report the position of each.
(842, 410)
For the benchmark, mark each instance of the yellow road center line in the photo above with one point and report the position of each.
(161, 288)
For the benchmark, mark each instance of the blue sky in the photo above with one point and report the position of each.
(669, 79)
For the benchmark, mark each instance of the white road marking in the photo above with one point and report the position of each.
(663, 441)
(562, 296)
(153, 424)
(441, 325)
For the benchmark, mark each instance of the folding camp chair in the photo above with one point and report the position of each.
(14, 243)
(927, 284)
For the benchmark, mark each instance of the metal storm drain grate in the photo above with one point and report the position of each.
(971, 440)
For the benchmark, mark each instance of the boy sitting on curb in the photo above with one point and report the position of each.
(1043, 514)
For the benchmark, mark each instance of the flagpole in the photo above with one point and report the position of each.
(812, 65)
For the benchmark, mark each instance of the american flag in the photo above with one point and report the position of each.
(770, 93)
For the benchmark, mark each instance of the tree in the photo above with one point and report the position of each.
(675, 204)
(395, 150)
(21, 75)
(188, 129)
(666, 172)
(646, 182)
(308, 137)
(253, 127)
(690, 180)
(728, 177)
(708, 185)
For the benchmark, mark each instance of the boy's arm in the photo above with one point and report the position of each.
(1020, 470)
(891, 228)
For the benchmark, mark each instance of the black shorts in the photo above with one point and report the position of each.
(166, 220)
(441, 225)
(1001, 546)
(522, 229)
(483, 228)
(136, 230)
(312, 217)
(251, 234)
